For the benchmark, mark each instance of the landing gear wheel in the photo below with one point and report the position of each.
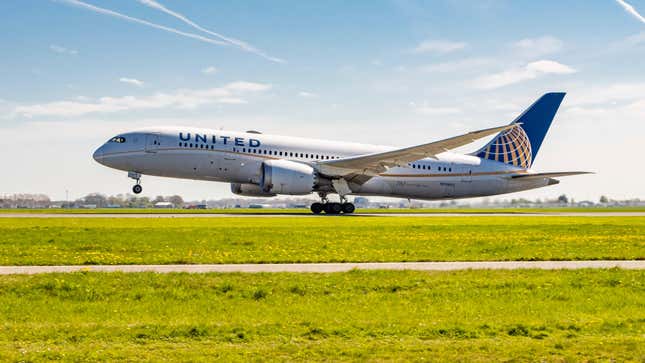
(333, 208)
(348, 208)
(137, 189)
(316, 208)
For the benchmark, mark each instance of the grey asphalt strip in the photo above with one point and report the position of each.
(307, 215)
(334, 267)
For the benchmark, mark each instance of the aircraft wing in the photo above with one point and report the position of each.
(548, 175)
(373, 164)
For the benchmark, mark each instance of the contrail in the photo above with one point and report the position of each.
(243, 45)
(630, 9)
(140, 21)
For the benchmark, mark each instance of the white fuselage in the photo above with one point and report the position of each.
(237, 157)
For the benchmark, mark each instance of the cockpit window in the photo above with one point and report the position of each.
(118, 139)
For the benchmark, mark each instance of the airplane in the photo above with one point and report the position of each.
(262, 165)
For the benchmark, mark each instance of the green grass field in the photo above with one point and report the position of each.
(35, 241)
(306, 211)
(470, 316)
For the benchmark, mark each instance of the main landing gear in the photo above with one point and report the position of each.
(137, 188)
(332, 208)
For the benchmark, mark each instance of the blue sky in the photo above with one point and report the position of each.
(387, 72)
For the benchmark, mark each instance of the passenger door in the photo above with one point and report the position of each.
(152, 143)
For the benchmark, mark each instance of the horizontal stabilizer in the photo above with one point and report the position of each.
(549, 175)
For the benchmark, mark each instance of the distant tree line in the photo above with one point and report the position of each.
(25, 201)
(127, 201)
(97, 200)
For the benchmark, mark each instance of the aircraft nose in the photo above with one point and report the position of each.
(98, 154)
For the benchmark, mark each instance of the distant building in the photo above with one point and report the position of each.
(164, 205)
(259, 206)
(361, 202)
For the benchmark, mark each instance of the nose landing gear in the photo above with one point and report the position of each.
(137, 188)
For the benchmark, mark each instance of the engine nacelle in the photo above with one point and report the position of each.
(287, 177)
(249, 190)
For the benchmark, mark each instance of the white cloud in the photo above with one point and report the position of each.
(183, 98)
(210, 70)
(628, 43)
(624, 113)
(606, 94)
(535, 47)
(307, 94)
(515, 75)
(62, 50)
(434, 111)
(457, 65)
(635, 39)
(631, 10)
(438, 46)
(236, 42)
(132, 81)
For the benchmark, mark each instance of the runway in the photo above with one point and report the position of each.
(308, 215)
(333, 267)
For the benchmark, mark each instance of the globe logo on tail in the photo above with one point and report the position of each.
(510, 147)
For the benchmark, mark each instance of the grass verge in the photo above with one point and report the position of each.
(80, 241)
(287, 211)
(524, 315)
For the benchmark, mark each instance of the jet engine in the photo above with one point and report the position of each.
(249, 190)
(287, 177)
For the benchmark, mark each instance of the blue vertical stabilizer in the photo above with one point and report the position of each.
(519, 146)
